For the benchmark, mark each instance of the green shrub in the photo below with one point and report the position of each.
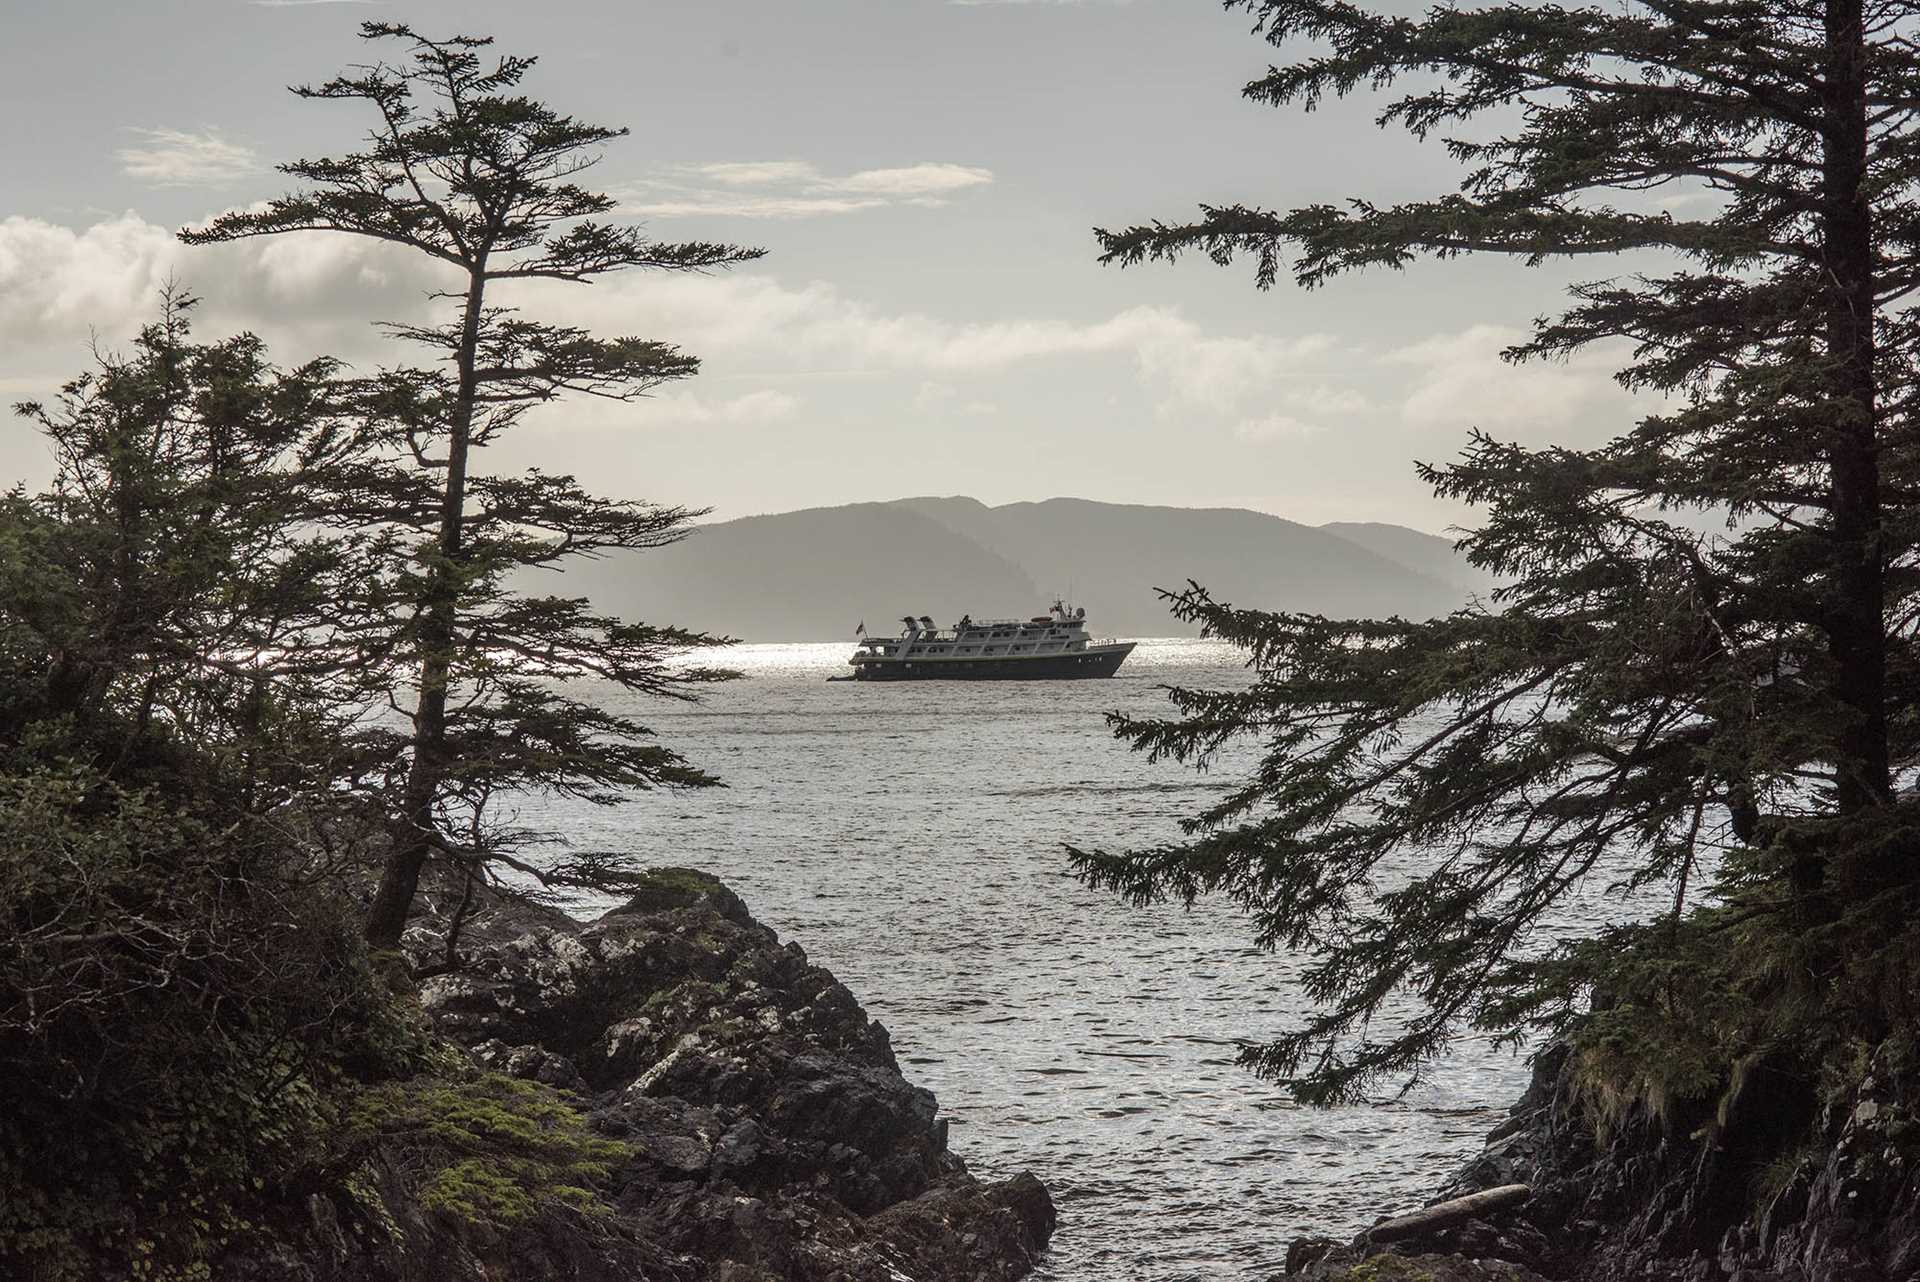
(180, 1021)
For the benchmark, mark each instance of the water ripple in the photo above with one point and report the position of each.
(910, 836)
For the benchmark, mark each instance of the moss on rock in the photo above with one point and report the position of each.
(486, 1148)
(663, 889)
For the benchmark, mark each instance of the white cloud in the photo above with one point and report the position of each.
(1274, 427)
(936, 398)
(727, 205)
(176, 158)
(756, 319)
(755, 173)
(1322, 399)
(765, 406)
(59, 285)
(675, 408)
(795, 189)
(686, 409)
(915, 180)
(315, 293)
(1459, 381)
(1217, 373)
(54, 278)
(1690, 200)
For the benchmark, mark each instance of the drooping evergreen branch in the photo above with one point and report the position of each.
(1699, 669)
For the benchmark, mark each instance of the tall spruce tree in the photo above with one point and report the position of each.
(461, 167)
(1701, 674)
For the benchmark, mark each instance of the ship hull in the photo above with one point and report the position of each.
(1091, 662)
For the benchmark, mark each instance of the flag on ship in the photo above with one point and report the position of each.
(861, 630)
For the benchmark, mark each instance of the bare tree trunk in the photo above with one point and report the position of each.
(439, 634)
(1446, 1214)
(1856, 633)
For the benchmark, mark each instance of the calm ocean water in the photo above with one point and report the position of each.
(909, 836)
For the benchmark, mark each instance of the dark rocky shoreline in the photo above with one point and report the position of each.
(769, 1132)
(769, 1136)
(1707, 1192)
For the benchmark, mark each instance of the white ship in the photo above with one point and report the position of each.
(1050, 645)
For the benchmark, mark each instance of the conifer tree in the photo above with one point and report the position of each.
(183, 1005)
(463, 168)
(171, 586)
(1700, 676)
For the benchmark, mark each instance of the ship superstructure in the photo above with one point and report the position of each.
(1050, 645)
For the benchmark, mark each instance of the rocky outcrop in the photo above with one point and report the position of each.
(1498, 1248)
(767, 1133)
(1354, 1264)
(1786, 1180)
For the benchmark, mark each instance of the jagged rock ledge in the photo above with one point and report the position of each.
(1782, 1181)
(770, 1133)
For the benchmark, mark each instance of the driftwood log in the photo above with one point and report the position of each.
(1444, 1214)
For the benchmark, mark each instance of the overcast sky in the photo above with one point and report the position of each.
(925, 174)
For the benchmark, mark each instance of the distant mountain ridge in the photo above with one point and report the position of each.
(1427, 554)
(812, 575)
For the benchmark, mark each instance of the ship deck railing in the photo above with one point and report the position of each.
(975, 625)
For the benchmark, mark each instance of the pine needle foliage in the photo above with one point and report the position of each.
(1700, 675)
(170, 586)
(462, 167)
(182, 1000)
